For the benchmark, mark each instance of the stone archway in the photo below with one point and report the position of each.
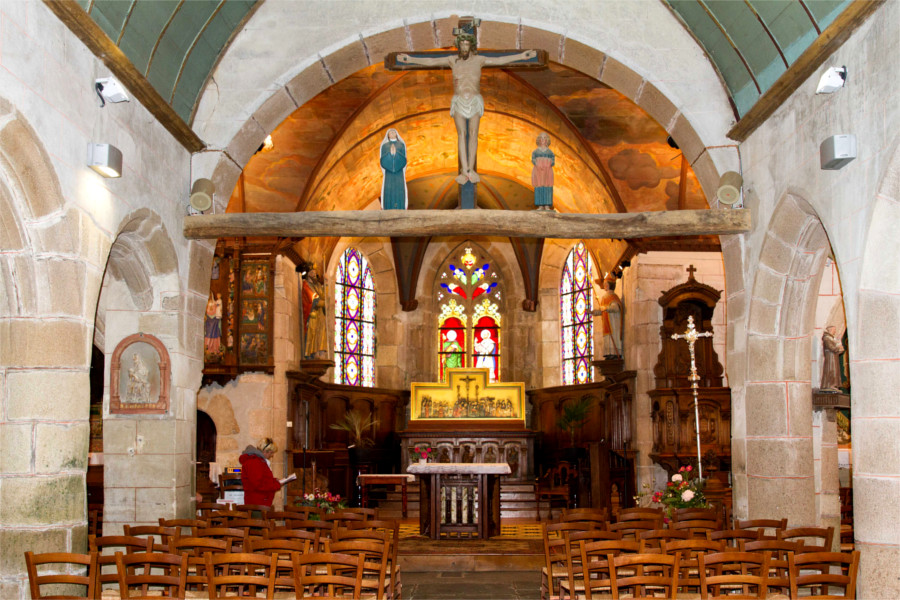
(148, 459)
(44, 398)
(875, 412)
(772, 448)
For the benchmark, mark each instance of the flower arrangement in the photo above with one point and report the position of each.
(325, 500)
(424, 452)
(684, 491)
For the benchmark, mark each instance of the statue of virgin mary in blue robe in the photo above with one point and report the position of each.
(393, 165)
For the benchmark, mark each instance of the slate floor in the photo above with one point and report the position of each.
(477, 585)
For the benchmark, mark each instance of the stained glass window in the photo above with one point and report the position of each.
(468, 290)
(354, 321)
(576, 325)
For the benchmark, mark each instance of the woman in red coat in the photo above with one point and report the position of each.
(256, 476)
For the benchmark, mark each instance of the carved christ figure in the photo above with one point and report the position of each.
(467, 105)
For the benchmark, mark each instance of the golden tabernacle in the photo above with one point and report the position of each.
(467, 394)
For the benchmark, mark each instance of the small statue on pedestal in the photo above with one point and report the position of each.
(610, 311)
(543, 160)
(831, 361)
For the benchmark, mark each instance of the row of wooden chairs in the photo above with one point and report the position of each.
(148, 575)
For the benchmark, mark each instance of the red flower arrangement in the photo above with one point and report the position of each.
(424, 452)
(684, 491)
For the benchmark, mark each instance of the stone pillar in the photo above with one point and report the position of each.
(825, 459)
(44, 433)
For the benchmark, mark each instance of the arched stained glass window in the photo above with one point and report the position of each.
(576, 298)
(354, 321)
(468, 291)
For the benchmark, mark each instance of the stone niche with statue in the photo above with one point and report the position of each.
(674, 439)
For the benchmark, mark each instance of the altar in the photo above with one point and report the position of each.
(459, 498)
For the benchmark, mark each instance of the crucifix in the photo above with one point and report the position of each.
(467, 105)
(691, 336)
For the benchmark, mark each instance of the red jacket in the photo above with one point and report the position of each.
(256, 477)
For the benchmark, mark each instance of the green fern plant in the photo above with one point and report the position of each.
(358, 427)
(573, 417)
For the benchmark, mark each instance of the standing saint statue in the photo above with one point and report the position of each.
(393, 166)
(314, 316)
(831, 360)
(610, 311)
(543, 160)
(467, 105)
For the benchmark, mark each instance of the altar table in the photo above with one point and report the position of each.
(459, 498)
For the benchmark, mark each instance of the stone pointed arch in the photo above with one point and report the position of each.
(875, 411)
(772, 446)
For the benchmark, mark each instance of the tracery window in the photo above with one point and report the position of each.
(576, 298)
(354, 321)
(468, 292)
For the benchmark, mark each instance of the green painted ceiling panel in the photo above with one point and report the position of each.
(144, 28)
(176, 43)
(786, 20)
(110, 15)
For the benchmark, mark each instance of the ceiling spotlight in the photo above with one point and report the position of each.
(832, 80)
(110, 90)
(106, 159)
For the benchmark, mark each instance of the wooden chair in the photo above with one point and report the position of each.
(643, 575)
(696, 527)
(328, 574)
(197, 548)
(307, 512)
(106, 548)
(554, 568)
(591, 575)
(282, 550)
(159, 535)
(236, 538)
(393, 580)
(763, 525)
(147, 575)
(733, 537)
(809, 536)
(554, 485)
(779, 567)
(250, 527)
(603, 513)
(654, 538)
(598, 519)
(818, 575)
(241, 575)
(247, 508)
(190, 524)
(204, 508)
(690, 514)
(376, 558)
(279, 519)
(730, 575)
(638, 513)
(322, 529)
(223, 518)
(688, 551)
(631, 530)
(73, 570)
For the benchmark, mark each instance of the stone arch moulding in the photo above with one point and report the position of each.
(145, 378)
(358, 52)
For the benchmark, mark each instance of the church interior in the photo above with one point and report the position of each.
(275, 236)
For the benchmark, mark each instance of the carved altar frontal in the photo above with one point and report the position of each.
(467, 419)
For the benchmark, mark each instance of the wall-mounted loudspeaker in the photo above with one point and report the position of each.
(202, 194)
(729, 191)
(837, 151)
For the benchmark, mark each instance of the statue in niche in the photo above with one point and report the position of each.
(138, 381)
(543, 160)
(467, 105)
(610, 312)
(213, 326)
(314, 316)
(468, 455)
(393, 166)
(831, 361)
(490, 456)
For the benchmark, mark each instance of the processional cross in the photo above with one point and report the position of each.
(691, 336)
(467, 105)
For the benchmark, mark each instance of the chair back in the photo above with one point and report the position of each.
(241, 574)
(147, 575)
(376, 557)
(690, 514)
(728, 575)
(196, 548)
(733, 537)
(653, 538)
(328, 574)
(223, 518)
(779, 566)
(632, 529)
(768, 528)
(159, 535)
(235, 537)
(71, 570)
(643, 575)
(815, 539)
(638, 513)
(106, 547)
(824, 574)
(696, 527)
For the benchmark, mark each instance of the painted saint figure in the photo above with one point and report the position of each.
(831, 360)
(467, 105)
(452, 352)
(314, 316)
(610, 311)
(393, 166)
(484, 354)
(213, 325)
(543, 160)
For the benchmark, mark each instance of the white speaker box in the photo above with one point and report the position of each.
(837, 151)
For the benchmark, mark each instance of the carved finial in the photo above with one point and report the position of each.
(691, 270)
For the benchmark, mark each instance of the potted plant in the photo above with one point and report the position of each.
(573, 417)
(359, 428)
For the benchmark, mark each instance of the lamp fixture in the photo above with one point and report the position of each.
(106, 159)
(832, 80)
(110, 90)
(202, 195)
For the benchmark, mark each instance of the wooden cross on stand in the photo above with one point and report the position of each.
(467, 105)
(692, 336)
